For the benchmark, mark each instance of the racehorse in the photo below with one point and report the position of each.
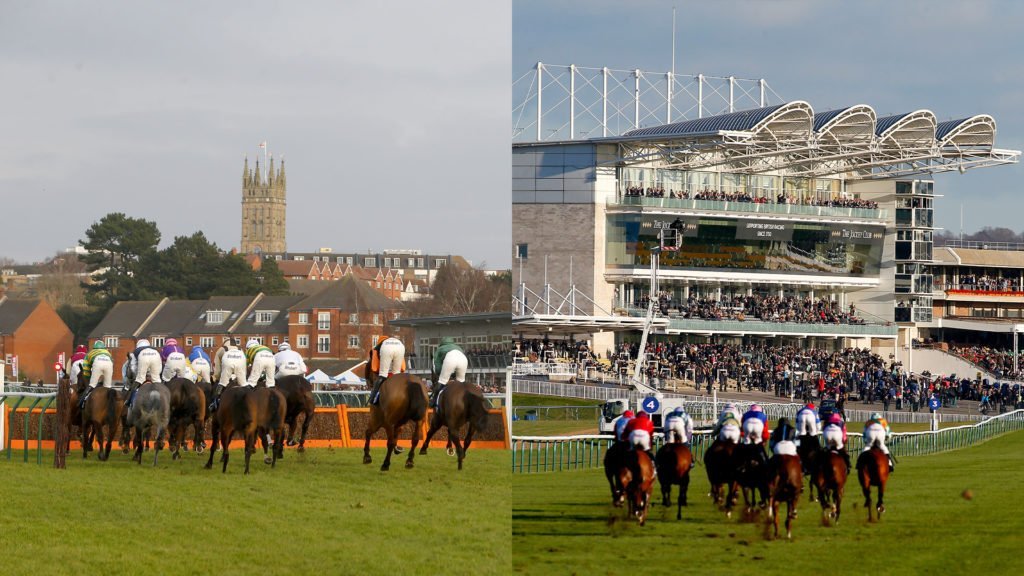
(188, 406)
(673, 463)
(247, 411)
(873, 470)
(150, 413)
(102, 410)
(636, 474)
(612, 462)
(298, 394)
(403, 398)
(829, 476)
(721, 474)
(751, 476)
(785, 483)
(808, 449)
(458, 404)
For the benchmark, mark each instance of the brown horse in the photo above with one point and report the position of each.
(809, 449)
(612, 463)
(271, 409)
(102, 411)
(751, 475)
(721, 474)
(247, 411)
(673, 462)
(460, 403)
(298, 393)
(829, 476)
(785, 483)
(873, 470)
(403, 398)
(636, 473)
(188, 407)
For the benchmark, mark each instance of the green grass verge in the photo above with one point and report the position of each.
(322, 512)
(563, 523)
(534, 400)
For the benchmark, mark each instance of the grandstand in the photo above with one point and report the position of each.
(784, 210)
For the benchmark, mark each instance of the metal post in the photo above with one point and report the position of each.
(700, 95)
(761, 84)
(540, 86)
(604, 103)
(572, 101)
(668, 109)
(636, 98)
(1014, 352)
(3, 403)
(732, 84)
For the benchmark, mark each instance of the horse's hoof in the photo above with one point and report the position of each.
(423, 451)
(200, 450)
(175, 456)
(384, 467)
(301, 448)
(367, 459)
(291, 442)
(268, 460)
(451, 451)
(408, 464)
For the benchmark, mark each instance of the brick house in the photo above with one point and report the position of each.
(32, 331)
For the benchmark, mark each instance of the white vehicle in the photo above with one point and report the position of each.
(613, 409)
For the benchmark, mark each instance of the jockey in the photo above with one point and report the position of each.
(174, 360)
(876, 429)
(144, 363)
(288, 361)
(387, 358)
(782, 438)
(261, 363)
(76, 363)
(834, 433)
(678, 426)
(755, 425)
(728, 426)
(230, 364)
(620, 425)
(199, 360)
(97, 365)
(449, 360)
(807, 421)
(638, 433)
(729, 410)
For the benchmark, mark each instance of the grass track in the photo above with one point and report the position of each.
(323, 512)
(563, 523)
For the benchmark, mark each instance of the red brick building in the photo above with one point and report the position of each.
(32, 331)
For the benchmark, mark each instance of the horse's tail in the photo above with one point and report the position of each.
(476, 411)
(240, 412)
(417, 401)
(275, 409)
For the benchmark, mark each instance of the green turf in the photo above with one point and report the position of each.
(553, 427)
(322, 512)
(534, 400)
(563, 523)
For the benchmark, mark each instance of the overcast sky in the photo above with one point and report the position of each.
(392, 117)
(954, 58)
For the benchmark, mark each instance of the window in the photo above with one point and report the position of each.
(370, 261)
(522, 251)
(206, 341)
(353, 341)
(298, 258)
(303, 318)
(274, 340)
(378, 284)
(302, 341)
(112, 341)
(340, 259)
(323, 321)
(411, 263)
(439, 262)
(277, 256)
(215, 316)
(396, 315)
(323, 344)
(353, 318)
(264, 316)
(188, 341)
(157, 341)
(387, 262)
(419, 262)
(349, 260)
(376, 319)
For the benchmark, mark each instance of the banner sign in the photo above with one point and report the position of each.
(851, 234)
(761, 230)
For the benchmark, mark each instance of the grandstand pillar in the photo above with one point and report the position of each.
(540, 110)
(1014, 350)
(572, 101)
(3, 405)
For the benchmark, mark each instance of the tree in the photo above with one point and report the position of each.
(117, 244)
(59, 282)
(186, 269)
(459, 289)
(272, 280)
(235, 277)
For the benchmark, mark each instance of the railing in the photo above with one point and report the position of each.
(742, 326)
(556, 453)
(980, 245)
(544, 369)
(32, 403)
(749, 207)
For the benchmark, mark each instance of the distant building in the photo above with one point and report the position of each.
(264, 197)
(32, 331)
(486, 338)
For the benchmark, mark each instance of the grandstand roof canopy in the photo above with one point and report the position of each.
(791, 138)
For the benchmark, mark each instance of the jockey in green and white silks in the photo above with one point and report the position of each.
(98, 365)
(449, 361)
(261, 363)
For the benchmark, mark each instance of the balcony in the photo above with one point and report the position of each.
(742, 207)
(756, 326)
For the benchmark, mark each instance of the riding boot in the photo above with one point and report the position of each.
(131, 394)
(215, 403)
(376, 388)
(891, 467)
(434, 395)
(85, 396)
(846, 458)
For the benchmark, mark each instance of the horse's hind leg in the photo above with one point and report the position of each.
(250, 447)
(415, 441)
(392, 442)
(372, 427)
(790, 514)
(213, 444)
(305, 427)
(434, 427)
(454, 437)
(158, 443)
(881, 505)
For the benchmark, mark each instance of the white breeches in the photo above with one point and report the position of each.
(232, 365)
(455, 363)
(201, 369)
(391, 354)
(807, 424)
(149, 366)
(76, 369)
(753, 430)
(262, 365)
(102, 369)
(785, 447)
(640, 439)
(676, 430)
(730, 432)
(833, 437)
(874, 435)
(289, 369)
(174, 366)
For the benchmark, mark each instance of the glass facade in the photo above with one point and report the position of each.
(914, 223)
(781, 247)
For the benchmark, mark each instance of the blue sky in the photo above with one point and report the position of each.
(954, 58)
(392, 119)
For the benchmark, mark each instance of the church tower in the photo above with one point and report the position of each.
(263, 208)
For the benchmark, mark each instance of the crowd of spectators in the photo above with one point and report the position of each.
(744, 196)
(805, 310)
(994, 360)
(984, 282)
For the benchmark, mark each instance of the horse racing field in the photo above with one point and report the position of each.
(322, 512)
(564, 523)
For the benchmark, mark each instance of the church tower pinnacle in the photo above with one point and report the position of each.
(264, 199)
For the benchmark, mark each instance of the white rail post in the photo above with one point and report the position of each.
(572, 101)
(508, 399)
(3, 406)
(540, 89)
(636, 98)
